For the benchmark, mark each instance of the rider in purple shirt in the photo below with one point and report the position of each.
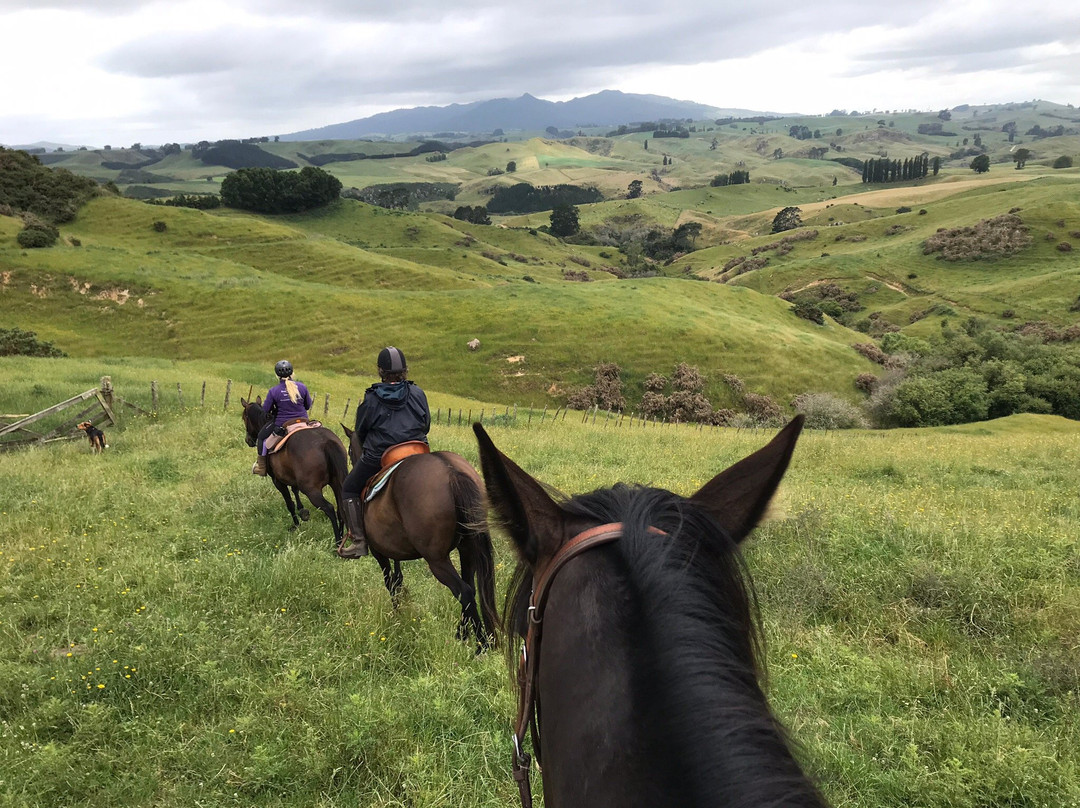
(287, 401)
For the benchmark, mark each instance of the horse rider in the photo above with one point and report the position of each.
(393, 411)
(285, 402)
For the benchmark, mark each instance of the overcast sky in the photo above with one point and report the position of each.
(119, 71)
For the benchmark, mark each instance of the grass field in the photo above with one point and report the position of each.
(164, 640)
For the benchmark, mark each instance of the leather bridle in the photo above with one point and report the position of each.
(530, 661)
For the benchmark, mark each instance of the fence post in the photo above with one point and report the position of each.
(326, 406)
(542, 417)
(228, 389)
(438, 416)
(459, 416)
(345, 412)
(153, 397)
(481, 415)
(530, 416)
(180, 395)
(106, 389)
(202, 399)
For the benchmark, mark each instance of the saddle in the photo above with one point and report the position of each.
(390, 460)
(276, 441)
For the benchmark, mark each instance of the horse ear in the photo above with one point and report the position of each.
(258, 400)
(531, 517)
(738, 496)
(348, 432)
(243, 403)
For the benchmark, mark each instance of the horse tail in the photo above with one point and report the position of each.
(337, 463)
(470, 509)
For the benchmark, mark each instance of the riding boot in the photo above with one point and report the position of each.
(260, 466)
(353, 510)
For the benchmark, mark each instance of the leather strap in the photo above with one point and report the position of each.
(530, 661)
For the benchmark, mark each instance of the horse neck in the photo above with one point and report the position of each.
(651, 697)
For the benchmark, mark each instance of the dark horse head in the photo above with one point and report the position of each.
(254, 419)
(648, 672)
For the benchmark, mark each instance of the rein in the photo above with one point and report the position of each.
(530, 657)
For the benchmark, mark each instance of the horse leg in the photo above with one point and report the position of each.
(444, 572)
(305, 514)
(391, 576)
(284, 489)
(467, 553)
(320, 502)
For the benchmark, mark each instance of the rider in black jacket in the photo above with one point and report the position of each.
(393, 411)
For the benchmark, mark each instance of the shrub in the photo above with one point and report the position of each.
(1063, 162)
(160, 226)
(867, 382)
(905, 209)
(827, 411)
(1008, 314)
(1064, 247)
(605, 392)
(35, 238)
(762, 409)
(16, 342)
(1002, 235)
(808, 311)
(871, 352)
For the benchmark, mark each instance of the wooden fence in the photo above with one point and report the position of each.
(99, 405)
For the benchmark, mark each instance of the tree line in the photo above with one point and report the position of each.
(910, 168)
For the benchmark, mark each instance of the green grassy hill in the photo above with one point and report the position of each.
(330, 288)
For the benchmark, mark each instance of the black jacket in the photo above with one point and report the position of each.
(391, 412)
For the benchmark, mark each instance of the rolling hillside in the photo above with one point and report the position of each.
(330, 288)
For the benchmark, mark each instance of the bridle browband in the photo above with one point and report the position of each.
(530, 661)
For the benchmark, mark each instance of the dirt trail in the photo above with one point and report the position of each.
(913, 195)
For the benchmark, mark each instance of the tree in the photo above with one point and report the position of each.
(564, 221)
(511, 167)
(552, 130)
(787, 219)
(1021, 156)
(633, 190)
(945, 115)
(685, 236)
(981, 164)
(1063, 162)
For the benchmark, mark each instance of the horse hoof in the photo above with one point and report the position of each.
(293, 528)
(305, 514)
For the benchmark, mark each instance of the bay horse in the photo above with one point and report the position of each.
(646, 688)
(312, 460)
(432, 504)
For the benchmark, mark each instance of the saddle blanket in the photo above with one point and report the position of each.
(275, 442)
(380, 482)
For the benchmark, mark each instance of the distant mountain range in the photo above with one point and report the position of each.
(606, 108)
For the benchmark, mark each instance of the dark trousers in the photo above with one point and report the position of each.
(264, 433)
(358, 477)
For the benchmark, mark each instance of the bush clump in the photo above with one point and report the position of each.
(827, 411)
(990, 238)
(16, 342)
(265, 190)
(606, 391)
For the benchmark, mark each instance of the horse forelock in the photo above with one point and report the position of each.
(693, 631)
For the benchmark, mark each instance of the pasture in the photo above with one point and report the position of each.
(164, 640)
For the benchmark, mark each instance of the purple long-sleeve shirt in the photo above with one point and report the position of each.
(277, 402)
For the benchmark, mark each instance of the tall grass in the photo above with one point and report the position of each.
(165, 640)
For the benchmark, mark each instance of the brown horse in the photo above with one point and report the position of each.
(310, 461)
(431, 504)
(644, 689)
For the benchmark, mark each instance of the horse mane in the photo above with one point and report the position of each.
(698, 650)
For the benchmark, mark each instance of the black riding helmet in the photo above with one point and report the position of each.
(391, 360)
(283, 369)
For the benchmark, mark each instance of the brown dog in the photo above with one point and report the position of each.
(95, 435)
